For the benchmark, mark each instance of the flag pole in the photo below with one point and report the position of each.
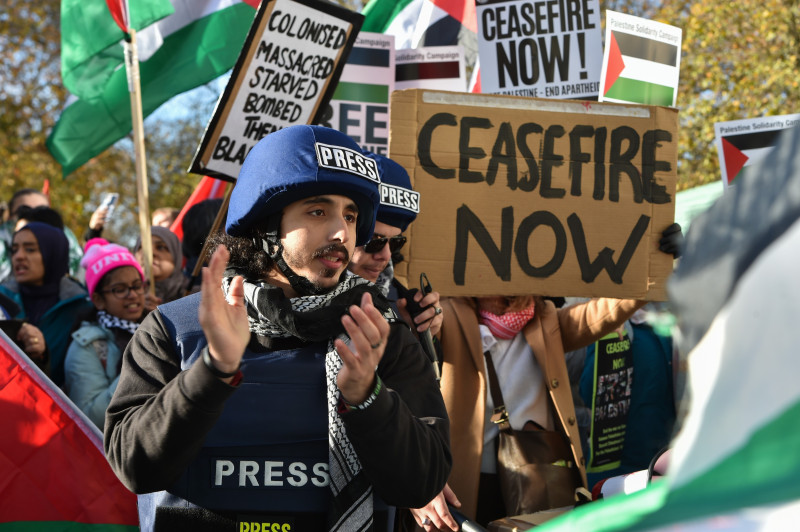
(134, 88)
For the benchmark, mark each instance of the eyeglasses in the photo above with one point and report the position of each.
(122, 291)
(377, 242)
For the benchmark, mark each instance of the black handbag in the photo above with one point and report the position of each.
(535, 467)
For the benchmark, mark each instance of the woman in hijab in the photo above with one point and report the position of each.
(46, 296)
(167, 262)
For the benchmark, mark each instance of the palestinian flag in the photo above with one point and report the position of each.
(55, 476)
(367, 76)
(745, 149)
(181, 45)
(640, 67)
(742, 143)
(734, 464)
(416, 23)
(435, 68)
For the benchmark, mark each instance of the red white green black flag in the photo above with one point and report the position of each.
(641, 62)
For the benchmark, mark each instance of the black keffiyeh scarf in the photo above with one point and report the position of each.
(317, 318)
(108, 321)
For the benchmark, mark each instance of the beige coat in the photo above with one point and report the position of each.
(550, 333)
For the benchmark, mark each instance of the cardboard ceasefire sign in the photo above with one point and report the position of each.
(285, 75)
(741, 143)
(360, 104)
(533, 196)
(540, 48)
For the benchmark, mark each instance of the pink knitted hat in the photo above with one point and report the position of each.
(100, 257)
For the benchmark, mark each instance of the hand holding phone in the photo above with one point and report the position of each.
(110, 201)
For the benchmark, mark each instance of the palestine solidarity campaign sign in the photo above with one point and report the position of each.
(359, 107)
(641, 61)
(741, 143)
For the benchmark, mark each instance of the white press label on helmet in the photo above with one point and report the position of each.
(400, 197)
(347, 160)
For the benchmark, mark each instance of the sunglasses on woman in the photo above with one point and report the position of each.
(378, 242)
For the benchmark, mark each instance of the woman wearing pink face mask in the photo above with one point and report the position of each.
(116, 286)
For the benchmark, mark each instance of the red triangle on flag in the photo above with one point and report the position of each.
(615, 64)
(461, 10)
(734, 160)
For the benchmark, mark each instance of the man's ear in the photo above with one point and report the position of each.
(98, 300)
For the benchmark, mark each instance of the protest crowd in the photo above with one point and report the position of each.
(80, 327)
(378, 337)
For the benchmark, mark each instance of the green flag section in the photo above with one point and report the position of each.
(633, 90)
(53, 473)
(737, 450)
(194, 45)
(416, 23)
(361, 92)
(379, 14)
(91, 48)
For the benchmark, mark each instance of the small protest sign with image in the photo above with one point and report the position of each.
(535, 196)
(285, 75)
(360, 105)
(641, 62)
(432, 67)
(540, 48)
(611, 400)
(741, 143)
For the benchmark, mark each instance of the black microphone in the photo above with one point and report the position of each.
(414, 309)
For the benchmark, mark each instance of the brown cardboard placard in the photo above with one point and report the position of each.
(285, 75)
(535, 196)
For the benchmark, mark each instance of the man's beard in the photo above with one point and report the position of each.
(295, 262)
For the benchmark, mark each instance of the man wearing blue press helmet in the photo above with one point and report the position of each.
(374, 261)
(286, 395)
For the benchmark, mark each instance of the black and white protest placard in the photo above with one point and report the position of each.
(540, 48)
(285, 75)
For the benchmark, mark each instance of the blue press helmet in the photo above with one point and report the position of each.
(399, 203)
(298, 162)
